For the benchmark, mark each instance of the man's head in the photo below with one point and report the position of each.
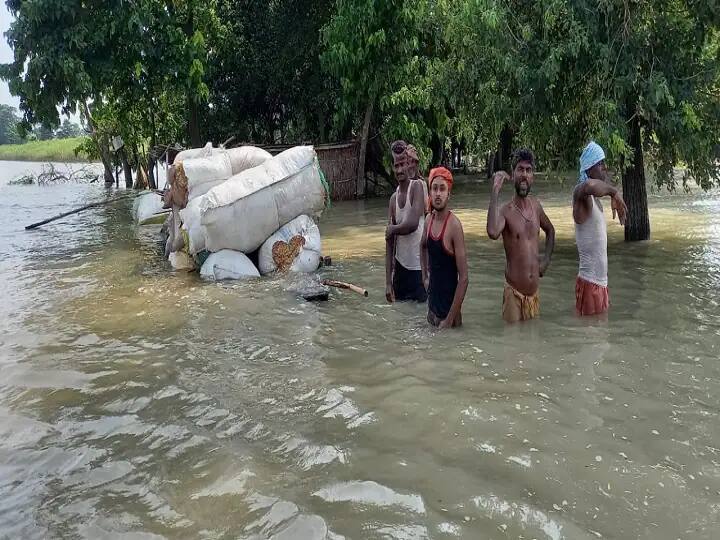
(523, 173)
(400, 168)
(440, 181)
(599, 171)
(398, 151)
(592, 163)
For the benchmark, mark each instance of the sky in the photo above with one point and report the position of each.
(6, 55)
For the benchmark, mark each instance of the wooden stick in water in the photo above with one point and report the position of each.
(343, 285)
(71, 212)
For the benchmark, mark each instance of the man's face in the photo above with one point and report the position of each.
(400, 168)
(439, 193)
(599, 171)
(523, 175)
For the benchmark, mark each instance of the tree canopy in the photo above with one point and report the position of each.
(642, 78)
(9, 121)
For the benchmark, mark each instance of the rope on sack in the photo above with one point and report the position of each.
(325, 184)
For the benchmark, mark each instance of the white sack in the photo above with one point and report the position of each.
(192, 153)
(243, 212)
(228, 264)
(201, 189)
(308, 258)
(205, 170)
(190, 217)
(243, 158)
(148, 208)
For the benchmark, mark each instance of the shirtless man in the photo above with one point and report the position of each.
(591, 290)
(403, 275)
(443, 258)
(519, 222)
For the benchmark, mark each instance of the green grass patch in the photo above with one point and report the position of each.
(50, 150)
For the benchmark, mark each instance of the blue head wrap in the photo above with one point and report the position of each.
(592, 154)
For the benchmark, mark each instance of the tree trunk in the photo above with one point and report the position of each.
(152, 183)
(504, 151)
(151, 160)
(360, 181)
(637, 226)
(101, 145)
(141, 178)
(436, 147)
(127, 170)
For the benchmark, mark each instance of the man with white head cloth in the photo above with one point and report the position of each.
(591, 286)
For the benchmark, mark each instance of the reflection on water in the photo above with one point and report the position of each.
(140, 403)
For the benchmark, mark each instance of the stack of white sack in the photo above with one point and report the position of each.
(228, 264)
(295, 247)
(200, 173)
(148, 209)
(241, 213)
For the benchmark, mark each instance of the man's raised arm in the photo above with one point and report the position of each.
(598, 188)
(495, 219)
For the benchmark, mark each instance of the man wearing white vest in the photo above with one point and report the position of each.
(403, 273)
(591, 286)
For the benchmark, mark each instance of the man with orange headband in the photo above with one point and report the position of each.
(519, 222)
(403, 277)
(443, 257)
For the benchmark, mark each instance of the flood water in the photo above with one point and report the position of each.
(140, 403)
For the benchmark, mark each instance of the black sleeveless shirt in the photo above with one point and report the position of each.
(443, 272)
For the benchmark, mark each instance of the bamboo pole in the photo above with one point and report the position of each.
(71, 212)
(343, 285)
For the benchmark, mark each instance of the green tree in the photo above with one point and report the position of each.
(9, 125)
(371, 47)
(43, 132)
(639, 77)
(265, 80)
(68, 129)
(510, 75)
(83, 54)
(653, 77)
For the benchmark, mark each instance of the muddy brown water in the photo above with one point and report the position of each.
(140, 403)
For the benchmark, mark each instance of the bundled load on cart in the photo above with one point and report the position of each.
(242, 212)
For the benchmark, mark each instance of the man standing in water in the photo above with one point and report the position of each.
(403, 275)
(443, 258)
(591, 291)
(519, 222)
(412, 161)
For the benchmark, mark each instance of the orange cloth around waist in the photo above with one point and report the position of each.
(518, 306)
(590, 298)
